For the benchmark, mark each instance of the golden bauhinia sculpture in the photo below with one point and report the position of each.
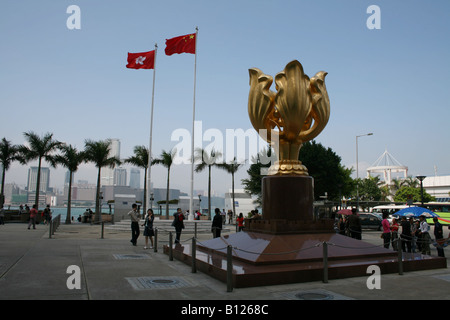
(296, 113)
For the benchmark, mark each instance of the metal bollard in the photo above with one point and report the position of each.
(193, 249)
(49, 230)
(155, 247)
(325, 262)
(103, 228)
(400, 257)
(170, 246)
(195, 229)
(229, 269)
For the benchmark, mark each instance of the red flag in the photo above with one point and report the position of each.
(141, 60)
(181, 44)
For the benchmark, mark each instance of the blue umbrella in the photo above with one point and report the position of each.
(416, 212)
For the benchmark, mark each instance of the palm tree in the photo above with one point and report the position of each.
(8, 154)
(40, 148)
(232, 168)
(140, 159)
(98, 153)
(166, 160)
(70, 158)
(207, 160)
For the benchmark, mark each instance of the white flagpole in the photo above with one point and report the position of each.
(191, 211)
(149, 170)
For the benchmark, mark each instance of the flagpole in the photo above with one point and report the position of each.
(149, 170)
(191, 211)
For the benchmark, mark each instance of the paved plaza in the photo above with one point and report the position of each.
(35, 266)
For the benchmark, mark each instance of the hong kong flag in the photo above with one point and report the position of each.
(141, 60)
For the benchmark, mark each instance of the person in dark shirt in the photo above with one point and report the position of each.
(406, 234)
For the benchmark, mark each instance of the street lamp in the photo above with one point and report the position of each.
(357, 173)
(421, 187)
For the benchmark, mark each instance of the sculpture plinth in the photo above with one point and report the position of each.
(285, 245)
(287, 206)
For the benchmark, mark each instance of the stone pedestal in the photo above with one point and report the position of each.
(286, 246)
(288, 207)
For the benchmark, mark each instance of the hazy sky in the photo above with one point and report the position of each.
(391, 81)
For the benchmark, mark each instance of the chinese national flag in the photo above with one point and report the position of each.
(181, 44)
(141, 60)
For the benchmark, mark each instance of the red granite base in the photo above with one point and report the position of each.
(261, 259)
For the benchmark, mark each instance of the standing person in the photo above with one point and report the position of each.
(135, 217)
(424, 235)
(33, 214)
(406, 234)
(413, 235)
(240, 222)
(439, 234)
(386, 230)
(394, 234)
(148, 231)
(47, 214)
(216, 227)
(354, 224)
(2, 215)
(178, 224)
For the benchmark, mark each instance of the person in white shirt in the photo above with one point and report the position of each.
(135, 218)
(425, 238)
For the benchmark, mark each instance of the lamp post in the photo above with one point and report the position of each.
(421, 187)
(357, 173)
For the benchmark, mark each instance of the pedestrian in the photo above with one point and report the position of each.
(2, 215)
(33, 214)
(230, 216)
(424, 235)
(178, 224)
(240, 222)
(418, 236)
(216, 227)
(148, 228)
(439, 235)
(406, 235)
(386, 235)
(47, 214)
(413, 234)
(394, 235)
(341, 225)
(354, 225)
(135, 218)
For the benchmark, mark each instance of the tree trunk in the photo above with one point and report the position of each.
(98, 214)
(69, 200)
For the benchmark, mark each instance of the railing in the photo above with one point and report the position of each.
(53, 225)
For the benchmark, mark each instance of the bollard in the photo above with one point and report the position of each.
(155, 247)
(195, 229)
(400, 257)
(103, 228)
(229, 269)
(193, 249)
(325, 262)
(170, 246)
(49, 230)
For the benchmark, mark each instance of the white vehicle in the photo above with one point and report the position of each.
(390, 209)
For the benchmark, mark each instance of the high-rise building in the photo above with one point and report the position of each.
(135, 178)
(107, 173)
(120, 177)
(44, 179)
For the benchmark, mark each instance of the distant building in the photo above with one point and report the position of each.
(243, 202)
(135, 178)
(44, 179)
(107, 173)
(120, 177)
(438, 187)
